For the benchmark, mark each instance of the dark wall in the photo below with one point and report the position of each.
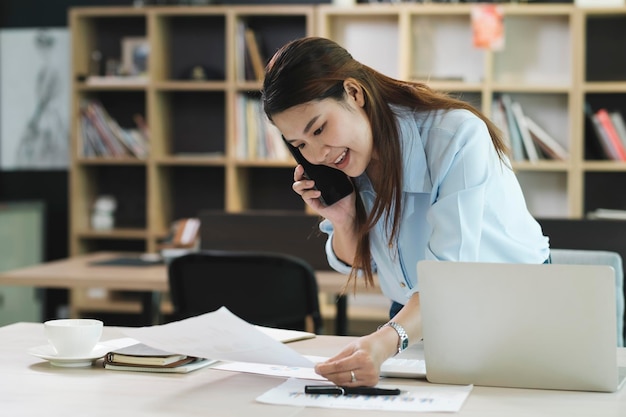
(40, 13)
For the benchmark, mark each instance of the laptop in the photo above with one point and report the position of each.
(542, 326)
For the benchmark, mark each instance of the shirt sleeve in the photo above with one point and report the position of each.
(464, 167)
(335, 263)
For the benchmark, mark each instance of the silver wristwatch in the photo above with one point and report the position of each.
(403, 342)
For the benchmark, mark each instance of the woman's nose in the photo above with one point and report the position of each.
(317, 154)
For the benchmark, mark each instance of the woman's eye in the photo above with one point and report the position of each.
(300, 146)
(318, 131)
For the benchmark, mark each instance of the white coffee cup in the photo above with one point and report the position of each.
(73, 338)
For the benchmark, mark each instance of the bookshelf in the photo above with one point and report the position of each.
(188, 100)
(191, 117)
(557, 58)
(603, 85)
(433, 43)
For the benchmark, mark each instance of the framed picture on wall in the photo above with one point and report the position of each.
(34, 98)
(135, 53)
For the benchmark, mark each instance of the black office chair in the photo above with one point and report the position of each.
(264, 288)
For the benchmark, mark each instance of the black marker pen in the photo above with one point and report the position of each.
(335, 390)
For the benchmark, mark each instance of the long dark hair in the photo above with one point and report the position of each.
(314, 68)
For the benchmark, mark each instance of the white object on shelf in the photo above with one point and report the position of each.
(611, 214)
(103, 216)
(112, 80)
(599, 3)
(344, 3)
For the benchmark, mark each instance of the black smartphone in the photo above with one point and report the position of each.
(332, 183)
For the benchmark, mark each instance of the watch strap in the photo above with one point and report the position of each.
(403, 341)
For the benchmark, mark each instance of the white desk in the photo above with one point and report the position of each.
(31, 387)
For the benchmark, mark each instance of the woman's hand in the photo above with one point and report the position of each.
(339, 213)
(358, 364)
(363, 357)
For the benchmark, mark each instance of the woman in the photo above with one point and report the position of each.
(432, 177)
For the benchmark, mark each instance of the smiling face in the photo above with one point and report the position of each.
(332, 133)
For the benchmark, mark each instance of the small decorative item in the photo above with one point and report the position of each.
(135, 52)
(112, 67)
(488, 26)
(95, 64)
(103, 216)
(198, 73)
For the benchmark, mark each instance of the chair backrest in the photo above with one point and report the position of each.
(596, 257)
(290, 232)
(264, 288)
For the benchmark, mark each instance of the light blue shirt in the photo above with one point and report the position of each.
(460, 203)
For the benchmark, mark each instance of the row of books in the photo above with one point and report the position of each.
(610, 131)
(527, 140)
(103, 136)
(257, 137)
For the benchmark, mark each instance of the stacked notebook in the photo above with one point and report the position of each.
(143, 358)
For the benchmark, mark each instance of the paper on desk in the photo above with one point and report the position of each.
(218, 335)
(275, 370)
(422, 398)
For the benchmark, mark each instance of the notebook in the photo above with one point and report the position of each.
(542, 326)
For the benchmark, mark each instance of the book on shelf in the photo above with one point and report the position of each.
(611, 134)
(498, 117)
(547, 143)
(257, 137)
(600, 135)
(527, 140)
(620, 125)
(254, 53)
(515, 138)
(103, 136)
(92, 112)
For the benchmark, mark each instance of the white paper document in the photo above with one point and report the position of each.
(423, 398)
(219, 335)
(275, 370)
(270, 370)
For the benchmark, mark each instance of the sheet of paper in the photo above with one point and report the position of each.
(423, 398)
(271, 370)
(285, 335)
(219, 335)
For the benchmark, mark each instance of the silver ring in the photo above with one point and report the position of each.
(353, 376)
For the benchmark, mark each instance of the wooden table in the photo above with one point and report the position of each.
(79, 272)
(30, 386)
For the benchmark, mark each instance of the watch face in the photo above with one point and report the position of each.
(405, 343)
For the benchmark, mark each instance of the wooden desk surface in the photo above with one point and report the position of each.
(77, 272)
(30, 386)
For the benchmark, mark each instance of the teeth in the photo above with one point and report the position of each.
(340, 158)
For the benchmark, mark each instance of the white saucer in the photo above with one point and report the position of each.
(48, 353)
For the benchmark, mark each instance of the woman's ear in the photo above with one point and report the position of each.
(354, 91)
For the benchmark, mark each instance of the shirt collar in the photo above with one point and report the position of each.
(416, 177)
